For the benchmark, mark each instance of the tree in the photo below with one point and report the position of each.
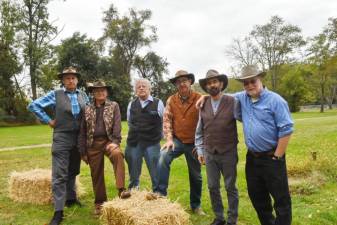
(9, 62)
(152, 67)
(127, 34)
(37, 34)
(294, 85)
(274, 43)
(80, 52)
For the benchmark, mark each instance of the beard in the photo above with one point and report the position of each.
(214, 91)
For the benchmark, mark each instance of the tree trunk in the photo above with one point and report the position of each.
(322, 97)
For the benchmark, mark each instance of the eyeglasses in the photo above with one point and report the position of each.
(247, 82)
(180, 81)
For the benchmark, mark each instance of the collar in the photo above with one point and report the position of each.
(71, 92)
(150, 98)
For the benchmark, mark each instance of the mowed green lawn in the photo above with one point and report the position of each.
(313, 183)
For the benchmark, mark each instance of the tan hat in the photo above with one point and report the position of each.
(182, 73)
(69, 70)
(98, 84)
(250, 71)
(213, 74)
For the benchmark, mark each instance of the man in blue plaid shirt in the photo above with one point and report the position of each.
(68, 105)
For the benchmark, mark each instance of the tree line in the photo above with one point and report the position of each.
(301, 70)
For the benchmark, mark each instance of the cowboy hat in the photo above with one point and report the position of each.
(213, 74)
(250, 71)
(98, 84)
(182, 73)
(69, 70)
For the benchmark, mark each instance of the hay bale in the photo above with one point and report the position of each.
(34, 186)
(137, 210)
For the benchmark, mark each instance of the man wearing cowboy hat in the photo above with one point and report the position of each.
(100, 135)
(68, 104)
(179, 123)
(267, 127)
(216, 141)
(145, 120)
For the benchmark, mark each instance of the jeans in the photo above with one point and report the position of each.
(267, 178)
(134, 157)
(194, 170)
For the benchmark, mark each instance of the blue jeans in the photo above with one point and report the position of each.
(134, 157)
(194, 170)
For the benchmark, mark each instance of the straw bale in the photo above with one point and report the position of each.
(138, 210)
(34, 186)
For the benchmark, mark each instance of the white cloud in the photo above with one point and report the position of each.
(194, 34)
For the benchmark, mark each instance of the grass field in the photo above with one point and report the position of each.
(313, 183)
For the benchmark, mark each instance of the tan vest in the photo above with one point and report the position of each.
(219, 130)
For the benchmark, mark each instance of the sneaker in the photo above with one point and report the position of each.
(123, 193)
(57, 218)
(218, 222)
(73, 202)
(198, 211)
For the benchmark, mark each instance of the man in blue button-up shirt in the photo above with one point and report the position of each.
(68, 105)
(267, 127)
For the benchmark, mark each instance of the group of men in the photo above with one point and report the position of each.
(203, 128)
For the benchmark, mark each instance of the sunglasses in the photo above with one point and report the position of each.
(247, 82)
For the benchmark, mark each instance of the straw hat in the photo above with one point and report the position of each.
(182, 73)
(213, 74)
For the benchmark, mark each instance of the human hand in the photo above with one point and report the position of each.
(52, 123)
(200, 102)
(169, 145)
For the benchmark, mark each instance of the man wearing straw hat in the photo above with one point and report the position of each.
(100, 135)
(68, 104)
(179, 123)
(144, 115)
(267, 127)
(216, 140)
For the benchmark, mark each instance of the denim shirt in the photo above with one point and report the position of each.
(265, 120)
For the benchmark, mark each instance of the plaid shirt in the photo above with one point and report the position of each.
(49, 100)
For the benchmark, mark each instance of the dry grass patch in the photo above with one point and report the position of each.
(34, 186)
(138, 210)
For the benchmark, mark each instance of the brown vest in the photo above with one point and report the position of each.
(219, 130)
(185, 117)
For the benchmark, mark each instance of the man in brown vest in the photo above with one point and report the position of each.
(179, 123)
(216, 140)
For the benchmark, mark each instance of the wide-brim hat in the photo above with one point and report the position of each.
(98, 84)
(250, 71)
(213, 74)
(69, 70)
(182, 73)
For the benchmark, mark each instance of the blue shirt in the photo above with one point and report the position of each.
(264, 120)
(49, 100)
(144, 104)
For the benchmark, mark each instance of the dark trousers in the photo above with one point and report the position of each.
(225, 164)
(96, 162)
(267, 178)
(194, 170)
(65, 167)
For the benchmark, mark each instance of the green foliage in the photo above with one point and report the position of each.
(294, 86)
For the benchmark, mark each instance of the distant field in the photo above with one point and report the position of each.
(313, 183)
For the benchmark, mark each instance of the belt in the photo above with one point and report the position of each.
(261, 154)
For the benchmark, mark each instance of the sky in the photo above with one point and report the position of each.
(194, 34)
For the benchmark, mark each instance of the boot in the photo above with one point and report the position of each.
(57, 218)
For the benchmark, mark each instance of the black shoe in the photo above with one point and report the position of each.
(72, 202)
(218, 222)
(57, 218)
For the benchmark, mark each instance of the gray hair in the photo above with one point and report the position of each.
(144, 81)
